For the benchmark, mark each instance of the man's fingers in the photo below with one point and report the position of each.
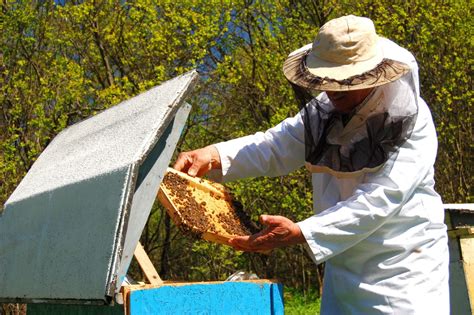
(203, 170)
(199, 168)
(198, 162)
(271, 220)
(244, 242)
(188, 163)
(182, 163)
(255, 242)
(279, 231)
(193, 170)
(239, 242)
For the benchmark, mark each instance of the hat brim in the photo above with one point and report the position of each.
(364, 75)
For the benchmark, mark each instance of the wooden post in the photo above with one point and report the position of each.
(147, 266)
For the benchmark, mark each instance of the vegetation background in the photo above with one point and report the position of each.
(63, 61)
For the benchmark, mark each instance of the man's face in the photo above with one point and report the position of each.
(345, 102)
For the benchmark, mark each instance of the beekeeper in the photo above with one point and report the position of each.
(369, 141)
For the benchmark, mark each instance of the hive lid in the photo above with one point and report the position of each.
(69, 230)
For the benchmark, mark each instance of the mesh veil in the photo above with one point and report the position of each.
(366, 139)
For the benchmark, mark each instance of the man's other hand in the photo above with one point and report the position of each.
(279, 232)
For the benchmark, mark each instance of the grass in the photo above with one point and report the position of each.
(299, 303)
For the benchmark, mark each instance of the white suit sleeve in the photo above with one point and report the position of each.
(379, 197)
(274, 152)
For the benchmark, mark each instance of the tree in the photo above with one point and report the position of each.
(440, 36)
(64, 61)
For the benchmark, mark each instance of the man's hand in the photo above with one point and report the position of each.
(198, 162)
(279, 232)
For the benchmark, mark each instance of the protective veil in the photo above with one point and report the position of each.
(374, 131)
(381, 229)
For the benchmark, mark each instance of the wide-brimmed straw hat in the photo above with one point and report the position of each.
(346, 55)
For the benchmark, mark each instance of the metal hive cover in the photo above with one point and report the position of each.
(69, 230)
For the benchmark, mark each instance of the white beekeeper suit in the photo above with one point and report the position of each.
(380, 231)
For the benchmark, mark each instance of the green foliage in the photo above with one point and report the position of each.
(61, 64)
(440, 35)
(301, 303)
